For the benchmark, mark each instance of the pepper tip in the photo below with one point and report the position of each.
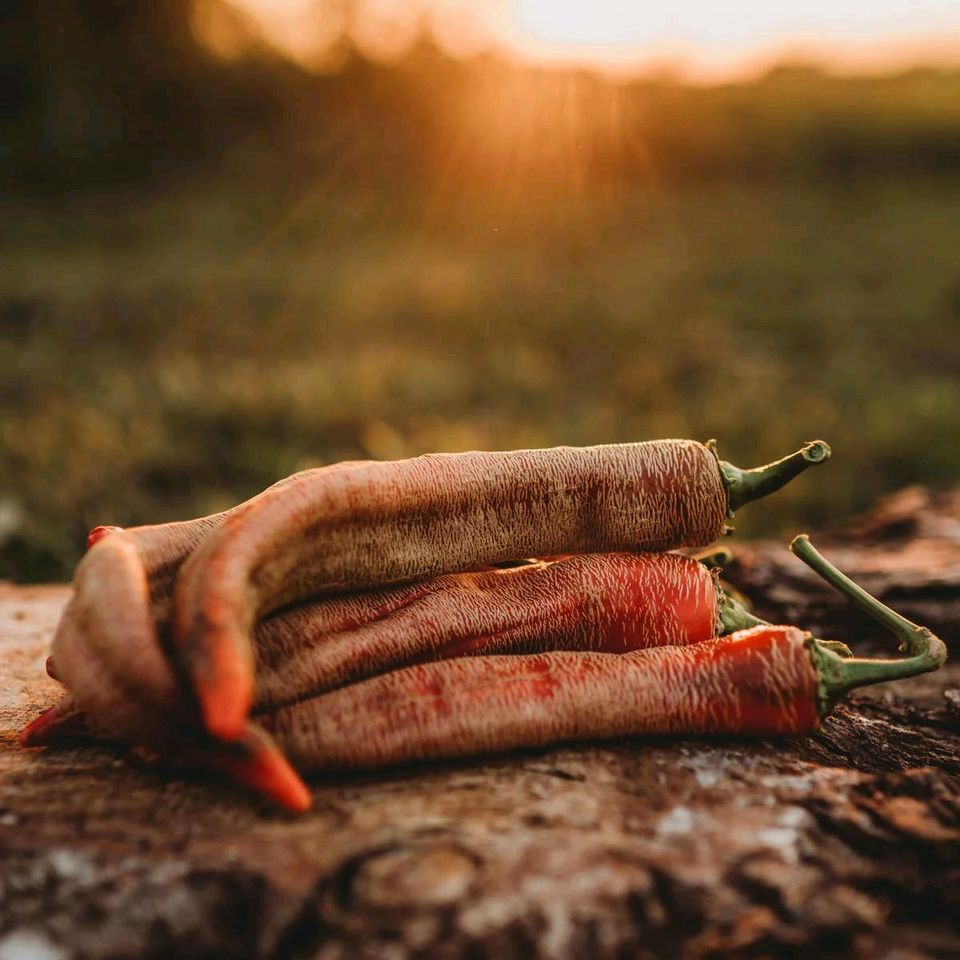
(267, 771)
(816, 451)
(98, 533)
(224, 709)
(38, 732)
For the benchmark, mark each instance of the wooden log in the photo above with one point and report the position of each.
(846, 844)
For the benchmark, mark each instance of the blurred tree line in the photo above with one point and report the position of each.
(106, 91)
(220, 267)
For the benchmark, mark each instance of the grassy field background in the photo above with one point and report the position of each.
(165, 355)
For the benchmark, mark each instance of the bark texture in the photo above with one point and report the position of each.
(842, 844)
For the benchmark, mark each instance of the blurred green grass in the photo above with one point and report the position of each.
(166, 356)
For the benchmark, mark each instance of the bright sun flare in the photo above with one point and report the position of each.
(708, 37)
(601, 23)
(722, 35)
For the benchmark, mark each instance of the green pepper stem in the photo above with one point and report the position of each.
(746, 485)
(839, 675)
(734, 615)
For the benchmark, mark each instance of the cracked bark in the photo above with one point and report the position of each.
(843, 844)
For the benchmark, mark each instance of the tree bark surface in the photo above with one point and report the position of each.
(842, 844)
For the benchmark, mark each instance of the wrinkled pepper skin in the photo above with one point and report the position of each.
(760, 681)
(378, 523)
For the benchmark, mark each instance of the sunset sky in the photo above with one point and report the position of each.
(700, 39)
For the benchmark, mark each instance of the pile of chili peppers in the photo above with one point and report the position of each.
(376, 613)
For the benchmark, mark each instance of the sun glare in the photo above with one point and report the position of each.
(706, 37)
(701, 39)
(601, 23)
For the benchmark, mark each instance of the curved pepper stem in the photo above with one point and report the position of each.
(735, 616)
(746, 485)
(839, 675)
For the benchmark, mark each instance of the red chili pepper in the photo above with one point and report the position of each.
(765, 680)
(379, 523)
(604, 602)
(758, 681)
(609, 602)
(612, 602)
